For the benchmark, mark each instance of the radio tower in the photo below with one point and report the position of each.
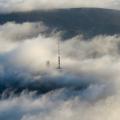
(59, 56)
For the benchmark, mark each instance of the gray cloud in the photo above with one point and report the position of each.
(28, 5)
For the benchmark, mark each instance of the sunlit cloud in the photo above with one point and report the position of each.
(88, 83)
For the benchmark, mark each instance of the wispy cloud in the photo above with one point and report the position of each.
(28, 5)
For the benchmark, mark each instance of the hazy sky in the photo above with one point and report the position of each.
(28, 5)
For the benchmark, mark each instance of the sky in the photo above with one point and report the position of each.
(7, 6)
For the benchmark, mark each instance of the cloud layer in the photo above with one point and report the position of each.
(28, 5)
(86, 88)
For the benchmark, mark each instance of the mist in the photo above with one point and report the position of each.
(8, 6)
(87, 87)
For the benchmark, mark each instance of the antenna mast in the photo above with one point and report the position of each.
(59, 56)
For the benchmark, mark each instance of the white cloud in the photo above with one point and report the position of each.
(11, 33)
(28, 5)
(32, 49)
(95, 63)
(53, 106)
